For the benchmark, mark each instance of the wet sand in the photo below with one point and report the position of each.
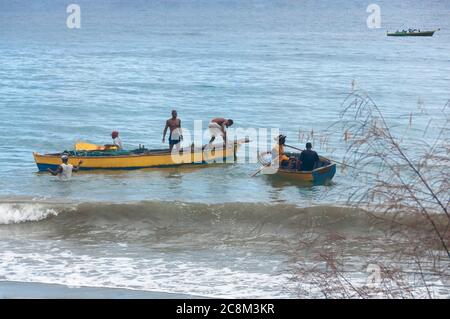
(26, 290)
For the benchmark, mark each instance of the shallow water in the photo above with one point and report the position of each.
(283, 65)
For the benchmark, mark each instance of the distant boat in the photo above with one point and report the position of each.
(411, 33)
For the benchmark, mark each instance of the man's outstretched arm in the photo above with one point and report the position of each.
(54, 173)
(77, 167)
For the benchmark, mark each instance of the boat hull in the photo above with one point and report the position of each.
(322, 175)
(159, 159)
(411, 34)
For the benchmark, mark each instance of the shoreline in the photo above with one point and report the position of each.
(35, 290)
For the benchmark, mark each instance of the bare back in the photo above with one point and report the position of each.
(219, 120)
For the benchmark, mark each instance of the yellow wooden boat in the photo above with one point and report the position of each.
(322, 174)
(111, 159)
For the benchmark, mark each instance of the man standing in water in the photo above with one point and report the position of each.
(217, 127)
(176, 135)
(64, 171)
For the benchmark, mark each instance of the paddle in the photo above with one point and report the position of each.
(260, 169)
(85, 146)
(295, 148)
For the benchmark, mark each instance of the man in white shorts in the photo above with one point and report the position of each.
(217, 127)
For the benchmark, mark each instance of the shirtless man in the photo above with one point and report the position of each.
(176, 134)
(217, 127)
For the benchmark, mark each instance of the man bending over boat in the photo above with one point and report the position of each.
(217, 127)
(64, 171)
(309, 158)
(176, 134)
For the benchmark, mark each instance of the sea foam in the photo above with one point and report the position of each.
(19, 213)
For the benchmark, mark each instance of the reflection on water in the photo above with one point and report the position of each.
(198, 183)
(305, 192)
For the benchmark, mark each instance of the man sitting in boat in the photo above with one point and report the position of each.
(175, 135)
(309, 158)
(217, 127)
(64, 171)
(116, 140)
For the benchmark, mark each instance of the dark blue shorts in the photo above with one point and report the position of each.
(173, 142)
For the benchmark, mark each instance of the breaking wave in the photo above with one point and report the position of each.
(150, 220)
(216, 250)
(13, 212)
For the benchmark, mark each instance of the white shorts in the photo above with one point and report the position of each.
(215, 129)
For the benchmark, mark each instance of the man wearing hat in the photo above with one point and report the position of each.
(116, 140)
(64, 171)
(278, 155)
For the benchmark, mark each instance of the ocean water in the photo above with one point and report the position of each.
(265, 64)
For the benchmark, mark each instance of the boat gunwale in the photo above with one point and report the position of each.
(294, 171)
(57, 155)
(150, 153)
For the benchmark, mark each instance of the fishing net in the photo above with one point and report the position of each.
(112, 152)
